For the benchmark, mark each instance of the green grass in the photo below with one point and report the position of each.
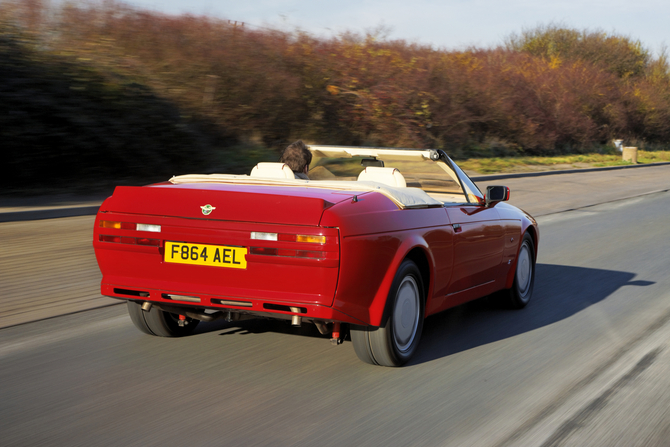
(529, 164)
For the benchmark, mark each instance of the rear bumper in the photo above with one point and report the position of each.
(262, 307)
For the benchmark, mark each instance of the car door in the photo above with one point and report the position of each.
(478, 251)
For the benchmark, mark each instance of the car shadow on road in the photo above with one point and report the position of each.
(560, 292)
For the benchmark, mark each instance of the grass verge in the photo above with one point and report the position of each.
(532, 164)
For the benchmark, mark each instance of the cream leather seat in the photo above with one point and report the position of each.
(272, 170)
(387, 176)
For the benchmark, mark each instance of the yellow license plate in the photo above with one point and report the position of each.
(211, 255)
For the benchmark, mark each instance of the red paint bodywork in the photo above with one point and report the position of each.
(463, 251)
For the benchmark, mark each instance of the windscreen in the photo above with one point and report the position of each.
(434, 177)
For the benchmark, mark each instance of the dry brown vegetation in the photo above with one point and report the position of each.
(104, 87)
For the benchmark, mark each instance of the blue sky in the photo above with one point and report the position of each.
(452, 24)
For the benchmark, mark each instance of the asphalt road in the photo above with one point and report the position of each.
(584, 364)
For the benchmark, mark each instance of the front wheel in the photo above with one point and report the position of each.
(524, 277)
(158, 322)
(395, 342)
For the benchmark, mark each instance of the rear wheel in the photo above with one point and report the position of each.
(394, 343)
(158, 322)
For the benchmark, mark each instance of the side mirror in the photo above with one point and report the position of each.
(496, 194)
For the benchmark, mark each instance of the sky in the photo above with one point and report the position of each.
(449, 24)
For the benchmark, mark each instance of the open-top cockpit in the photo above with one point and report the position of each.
(410, 177)
(430, 170)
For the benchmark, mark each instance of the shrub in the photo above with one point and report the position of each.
(91, 79)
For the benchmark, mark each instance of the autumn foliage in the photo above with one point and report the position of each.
(549, 90)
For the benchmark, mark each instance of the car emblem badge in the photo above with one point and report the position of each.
(207, 209)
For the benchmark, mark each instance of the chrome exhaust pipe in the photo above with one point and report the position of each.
(296, 320)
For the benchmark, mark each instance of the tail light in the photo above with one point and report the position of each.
(318, 240)
(107, 224)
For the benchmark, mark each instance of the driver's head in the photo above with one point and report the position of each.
(297, 157)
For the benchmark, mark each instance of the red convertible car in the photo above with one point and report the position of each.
(375, 241)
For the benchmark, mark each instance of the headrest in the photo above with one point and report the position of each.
(387, 176)
(272, 170)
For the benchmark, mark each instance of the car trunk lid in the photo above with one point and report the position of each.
(277, 205)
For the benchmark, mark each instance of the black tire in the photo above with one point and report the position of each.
(395, 342)
(158, 322)
(524, 276)
(135, 311)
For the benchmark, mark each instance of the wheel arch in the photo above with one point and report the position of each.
(416, 249)
(532, 231)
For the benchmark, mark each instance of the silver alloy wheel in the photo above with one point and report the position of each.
(524, 269)
(394, 342)
(406, 313)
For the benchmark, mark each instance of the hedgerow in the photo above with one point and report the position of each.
(85, 80)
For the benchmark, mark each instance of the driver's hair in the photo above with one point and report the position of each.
(296, 156)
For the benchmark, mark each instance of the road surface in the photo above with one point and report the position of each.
(584, 364)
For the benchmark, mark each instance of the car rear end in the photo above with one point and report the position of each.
(212, 250)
